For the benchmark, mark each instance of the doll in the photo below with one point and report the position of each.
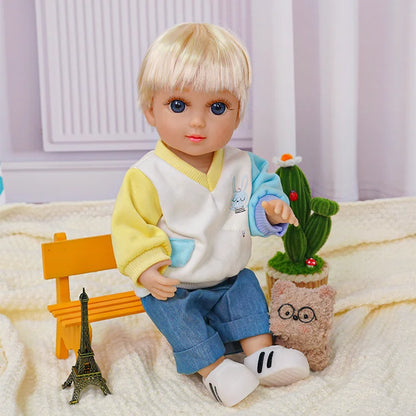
(185, 212)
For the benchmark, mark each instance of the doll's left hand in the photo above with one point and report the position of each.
(277, 212)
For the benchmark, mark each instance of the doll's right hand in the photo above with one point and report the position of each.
(159, 286)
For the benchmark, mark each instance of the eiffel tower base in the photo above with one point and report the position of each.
(83, 380)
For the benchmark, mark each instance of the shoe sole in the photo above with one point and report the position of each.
(284, 377)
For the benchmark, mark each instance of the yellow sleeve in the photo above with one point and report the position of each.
(137, 242)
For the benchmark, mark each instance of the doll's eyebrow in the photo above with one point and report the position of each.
(178, 98)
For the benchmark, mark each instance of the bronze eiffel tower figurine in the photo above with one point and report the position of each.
(85, 371)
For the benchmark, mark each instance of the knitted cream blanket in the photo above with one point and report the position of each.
(372, 256)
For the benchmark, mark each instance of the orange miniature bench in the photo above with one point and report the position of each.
(63, 258)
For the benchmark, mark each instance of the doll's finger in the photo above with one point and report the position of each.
(267, 207)
(167, 281)
(166, 289)
(292, 219)
(157, 296)
(272, 208)
(289, 216)
(171, 282)
(295, 220)
(274, 211)
(165, 294)
(283, 213)
(161, 294)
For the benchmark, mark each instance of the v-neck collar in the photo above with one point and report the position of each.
(209, 180)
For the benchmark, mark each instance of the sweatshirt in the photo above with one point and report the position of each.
(167, 209)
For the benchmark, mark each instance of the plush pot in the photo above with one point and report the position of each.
(310, 281)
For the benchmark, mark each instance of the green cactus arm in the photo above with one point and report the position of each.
(316, 233)
(324, 207)
(295, 244)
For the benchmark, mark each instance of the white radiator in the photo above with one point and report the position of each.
(89, 56)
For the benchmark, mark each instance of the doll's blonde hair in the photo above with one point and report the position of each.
(202, 56)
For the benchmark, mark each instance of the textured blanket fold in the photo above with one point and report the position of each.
(371, 253)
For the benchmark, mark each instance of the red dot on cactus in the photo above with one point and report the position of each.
(293, 196)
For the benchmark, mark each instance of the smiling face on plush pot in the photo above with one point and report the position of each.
(301, 318)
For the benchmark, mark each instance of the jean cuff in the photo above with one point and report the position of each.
(200, 356)
(244, 328)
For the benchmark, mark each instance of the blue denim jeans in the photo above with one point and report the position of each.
(198, 323)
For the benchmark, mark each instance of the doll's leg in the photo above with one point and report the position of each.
(197, 346)
(242, 315)
(180, 319)
(242, 311)
(252, 344)
(204, 372)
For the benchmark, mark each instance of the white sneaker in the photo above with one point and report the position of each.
(278, 366)
(230, 382)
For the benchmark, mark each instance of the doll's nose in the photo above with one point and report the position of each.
(295, 317)
(197, 120)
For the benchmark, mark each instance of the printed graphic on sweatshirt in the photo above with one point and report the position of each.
(240, 198)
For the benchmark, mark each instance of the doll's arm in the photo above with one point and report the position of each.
(137, 241)
(269, 210)
(159, 286)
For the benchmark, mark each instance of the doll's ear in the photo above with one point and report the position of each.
(150, 116)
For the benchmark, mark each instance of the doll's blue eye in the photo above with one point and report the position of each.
(177, 106)
(218, 108)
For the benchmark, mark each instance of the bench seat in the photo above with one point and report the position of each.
(99, 308)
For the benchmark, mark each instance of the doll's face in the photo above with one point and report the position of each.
(194, 123)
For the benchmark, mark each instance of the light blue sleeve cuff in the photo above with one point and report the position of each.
(262, 223)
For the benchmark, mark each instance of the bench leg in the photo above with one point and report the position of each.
(68, 338)
(61, 349)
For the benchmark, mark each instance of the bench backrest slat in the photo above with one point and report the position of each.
(71, 257)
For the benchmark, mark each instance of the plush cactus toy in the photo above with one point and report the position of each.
(314, 214)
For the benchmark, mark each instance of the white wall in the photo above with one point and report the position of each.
(30, 173)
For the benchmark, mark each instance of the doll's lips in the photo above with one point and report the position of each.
(195, 138)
